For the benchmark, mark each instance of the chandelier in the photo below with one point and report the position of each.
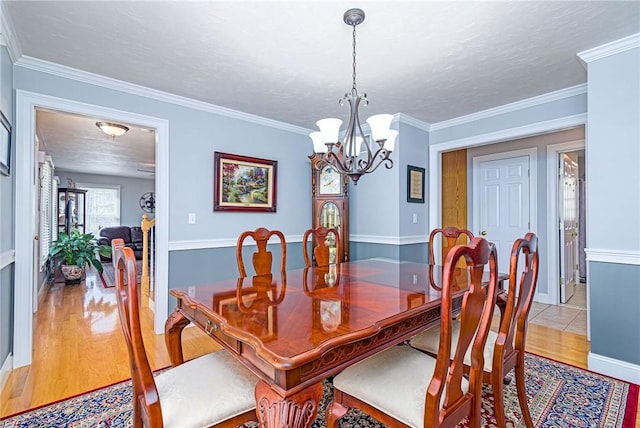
(347, 155)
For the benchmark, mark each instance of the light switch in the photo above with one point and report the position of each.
(415, 217)
(192, 218)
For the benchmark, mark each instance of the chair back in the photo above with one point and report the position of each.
(146, 403)
(447, 403)
(262, 259)
(519, 298)
(450, 237)
(321, 252)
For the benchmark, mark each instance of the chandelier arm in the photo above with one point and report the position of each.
(336, 162)
(385, 159)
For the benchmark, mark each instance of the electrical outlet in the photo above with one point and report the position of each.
(192, 218)
(415, 217)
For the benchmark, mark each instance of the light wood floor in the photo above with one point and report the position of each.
(78, 346)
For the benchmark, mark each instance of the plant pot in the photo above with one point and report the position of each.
(72, 273)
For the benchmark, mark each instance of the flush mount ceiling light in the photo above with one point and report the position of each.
(346, 155)
(112, 129)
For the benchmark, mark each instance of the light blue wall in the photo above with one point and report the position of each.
(613, 203)
(613, 152)
(130, 191)
(540, 142)
(194, 136)
(379, 209)
(414, 151)
(6, 213)
(570, 106)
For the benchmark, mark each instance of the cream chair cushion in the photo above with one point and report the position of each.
(394, 381)
(205, 391)
(429, 340)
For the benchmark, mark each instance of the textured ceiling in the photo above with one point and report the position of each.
(291, 61)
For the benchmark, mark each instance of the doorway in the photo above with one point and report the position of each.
(571, 228)
(26, 105)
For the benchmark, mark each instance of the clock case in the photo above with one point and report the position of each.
(330, 210)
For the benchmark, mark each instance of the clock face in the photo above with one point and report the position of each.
(329, 181)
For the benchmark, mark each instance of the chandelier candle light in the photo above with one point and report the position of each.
(346, 155)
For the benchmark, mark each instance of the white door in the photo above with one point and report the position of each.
(568, 222)
(502, 196)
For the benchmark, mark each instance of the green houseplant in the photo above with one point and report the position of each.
(73, 252)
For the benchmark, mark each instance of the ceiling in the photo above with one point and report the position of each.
(291, 60)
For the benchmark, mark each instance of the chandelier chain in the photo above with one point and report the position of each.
(354, 91)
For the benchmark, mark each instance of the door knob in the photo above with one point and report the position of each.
(483, 233)
(36, 237)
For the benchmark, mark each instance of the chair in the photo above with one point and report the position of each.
(212, 390)
(404, 387)
(261, 259)
(500, 355)
(450, 237)
(321, 252)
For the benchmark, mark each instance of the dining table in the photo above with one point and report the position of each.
(295, 329)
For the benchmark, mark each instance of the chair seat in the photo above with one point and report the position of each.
(394, 381)
(429, 339)
(216, 384)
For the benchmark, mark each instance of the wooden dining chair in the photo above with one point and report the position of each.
(404, 387)
(262, 259)
(505, 349)
(212, 390)
(321, 252)
(450, 238)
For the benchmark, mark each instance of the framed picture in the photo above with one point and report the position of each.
(5, 146)
(415, 184)
(244, 183)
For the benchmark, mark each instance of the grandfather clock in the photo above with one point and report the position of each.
(330, 201)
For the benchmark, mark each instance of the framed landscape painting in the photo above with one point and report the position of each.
(243, 183)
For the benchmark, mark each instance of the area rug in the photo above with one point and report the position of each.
(559, 396)
(108, 275)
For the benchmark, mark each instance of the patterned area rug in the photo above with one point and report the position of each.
(559, 396)
(108, 276)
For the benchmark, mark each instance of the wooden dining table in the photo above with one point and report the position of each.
(294, 329)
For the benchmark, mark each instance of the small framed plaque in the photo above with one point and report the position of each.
(415, 184)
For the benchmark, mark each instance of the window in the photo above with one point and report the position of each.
(103, 206)
(48, 188)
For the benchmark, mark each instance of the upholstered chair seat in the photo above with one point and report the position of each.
(205, 391)
(394, 381)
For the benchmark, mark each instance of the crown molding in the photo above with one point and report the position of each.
(615, 47)
(410, 120)
(515, 106)
(8, 35)
(43, 66)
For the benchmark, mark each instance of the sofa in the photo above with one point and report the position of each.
(131, 235)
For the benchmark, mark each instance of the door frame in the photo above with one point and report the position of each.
(26, 104)
(553, 255)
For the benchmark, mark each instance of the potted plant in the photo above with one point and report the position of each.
(72, 252)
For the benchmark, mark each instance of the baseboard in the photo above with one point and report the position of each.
(44, 289)
(542, 298)
(5, 370)
(614, 368)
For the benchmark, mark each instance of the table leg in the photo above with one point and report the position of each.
(173, 336)
(296, 411)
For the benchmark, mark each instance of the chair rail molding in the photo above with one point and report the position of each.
(6, 258)
(202, 244)
(613, 256)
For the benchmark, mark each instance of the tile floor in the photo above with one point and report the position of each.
(571, 316)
